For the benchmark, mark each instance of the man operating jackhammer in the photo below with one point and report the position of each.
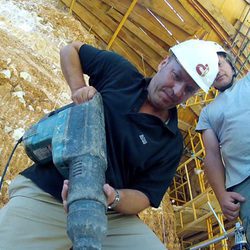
(144, 146)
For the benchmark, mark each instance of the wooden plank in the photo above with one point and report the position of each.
(184, 126)
(89, 20)
(190, 8)
(138, 32)
(218, 16)
(188, 18)
(104, 33)
(200, 203)
(121, 48)
(142, 18)
(196, 109)
(162, 9)
(140, 47)
(178, 34)
(187, 115)
(192, 225)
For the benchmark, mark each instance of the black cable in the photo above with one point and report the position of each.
(7, 165)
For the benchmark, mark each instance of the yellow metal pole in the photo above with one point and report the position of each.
(201, 181)
(181, 219)
(190, 192)
(189, 184)
(210, 232)
(175, 189)
(201, 178)
(131, 7)
(224, 241)
(183, 189)
(71, 6)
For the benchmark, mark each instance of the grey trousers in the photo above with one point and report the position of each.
(244, 189)
(34, 220)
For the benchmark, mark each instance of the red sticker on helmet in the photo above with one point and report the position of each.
(202, 70)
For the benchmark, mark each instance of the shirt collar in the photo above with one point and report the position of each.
(172, 124)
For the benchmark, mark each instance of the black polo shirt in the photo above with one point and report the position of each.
(142, 152)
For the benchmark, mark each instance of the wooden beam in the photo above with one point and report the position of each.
(190, 8)
(161, 8)
(196, 109)
(177, 33)
(142, 18)
(223, 35)
(190, 226)
(104, 33)
(134, 29)
(71, 6)
(184, 126)
(140, 48)
(218, 16)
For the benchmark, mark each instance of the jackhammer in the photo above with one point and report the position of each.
(73, 137)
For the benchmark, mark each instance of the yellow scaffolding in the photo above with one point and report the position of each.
(190, 194)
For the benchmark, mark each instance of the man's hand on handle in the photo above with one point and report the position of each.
(108, 190)
(83, 94)
(230, 204)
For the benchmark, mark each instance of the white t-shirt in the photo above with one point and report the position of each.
(229, 117)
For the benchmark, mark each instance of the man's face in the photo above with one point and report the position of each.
(225, 75)
(170, 86)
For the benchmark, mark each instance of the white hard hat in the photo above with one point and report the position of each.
(199, 58)
(214, 45)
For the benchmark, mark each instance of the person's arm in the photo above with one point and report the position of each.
(131, 201)
(72, 71)
(214, 169)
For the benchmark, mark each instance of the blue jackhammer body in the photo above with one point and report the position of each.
(73, 137)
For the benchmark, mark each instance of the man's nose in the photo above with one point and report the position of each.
(179, 89)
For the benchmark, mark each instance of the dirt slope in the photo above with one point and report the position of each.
(31, 83)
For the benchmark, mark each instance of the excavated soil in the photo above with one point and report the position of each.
(31, 83)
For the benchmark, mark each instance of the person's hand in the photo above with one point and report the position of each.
(108, 190)
(230, 204)
(83, 94)
(110, 193)
(64, 194)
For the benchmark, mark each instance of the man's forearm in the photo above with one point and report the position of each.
(132, 201)
(71, 66)
(215, 174)
(214, 167)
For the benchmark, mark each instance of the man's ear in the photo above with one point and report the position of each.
(163, 62)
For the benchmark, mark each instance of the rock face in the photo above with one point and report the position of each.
(31, 83)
